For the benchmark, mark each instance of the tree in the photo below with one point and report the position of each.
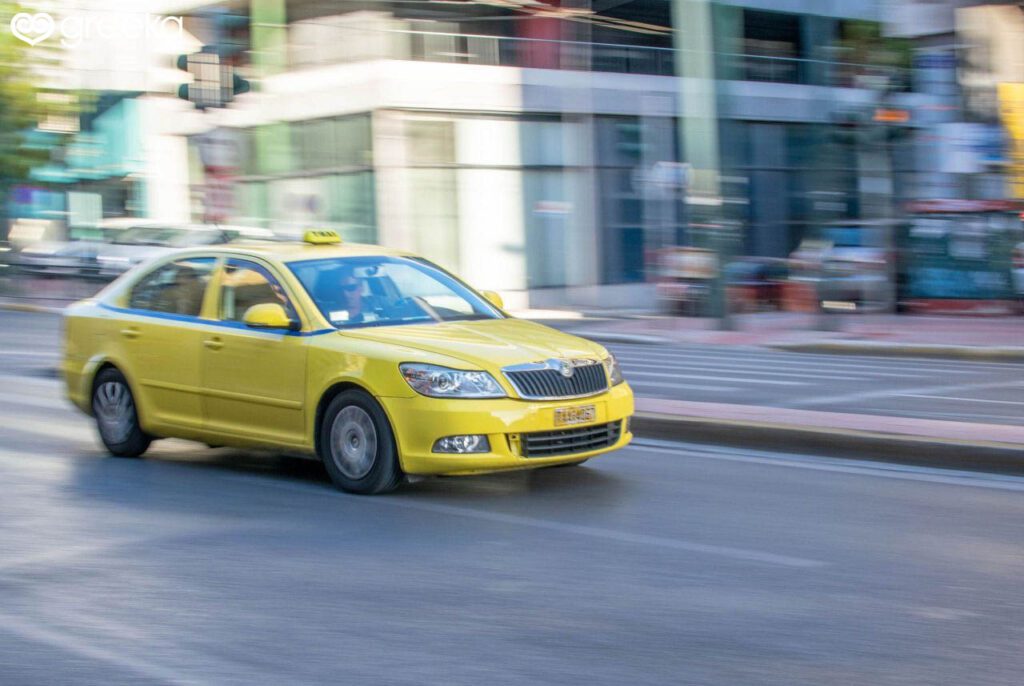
(21, 109)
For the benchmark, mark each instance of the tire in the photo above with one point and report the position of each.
(357, 445)
(117, 420)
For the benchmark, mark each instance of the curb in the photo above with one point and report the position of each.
(956, 352)
(25, 307)
(862, 445)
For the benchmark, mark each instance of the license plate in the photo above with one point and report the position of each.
(566, 416)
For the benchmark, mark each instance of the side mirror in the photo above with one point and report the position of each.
(269, 316)
(493, 298)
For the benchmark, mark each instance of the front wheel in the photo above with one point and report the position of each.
(357, 445)
(117, 420)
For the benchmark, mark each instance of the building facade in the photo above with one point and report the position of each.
(537, 150)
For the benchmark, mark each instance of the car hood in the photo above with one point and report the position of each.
(487, 344)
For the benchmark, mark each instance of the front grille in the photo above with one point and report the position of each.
(570, 441)
(546, 383)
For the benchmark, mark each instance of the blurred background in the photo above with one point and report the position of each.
(692, 157)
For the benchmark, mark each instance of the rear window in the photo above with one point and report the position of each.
(174, 288)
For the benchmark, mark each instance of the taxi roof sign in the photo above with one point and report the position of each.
(321, 237)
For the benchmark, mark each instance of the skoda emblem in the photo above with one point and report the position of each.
(565, 368)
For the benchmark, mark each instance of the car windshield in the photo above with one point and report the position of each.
(383, 291)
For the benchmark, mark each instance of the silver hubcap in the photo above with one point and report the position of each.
(353, 442)
(115, 411)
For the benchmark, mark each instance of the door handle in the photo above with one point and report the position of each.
(213, 343)
(131, 332)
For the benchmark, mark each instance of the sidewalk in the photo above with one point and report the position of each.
(40, 294)
(993, 338)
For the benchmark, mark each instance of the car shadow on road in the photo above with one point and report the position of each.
(171, 470)
(583, 484)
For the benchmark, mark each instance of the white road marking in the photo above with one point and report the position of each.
(703, 377)
(641, 384)
(10, 380)
(76, 427)
(784, 357)
(766, 361)
(627, 366)
(885, 470)
(892, 392)
(67, 641)
(957, 416)
(29, 353)
(51, 556)
(968, 400)
(58, 404)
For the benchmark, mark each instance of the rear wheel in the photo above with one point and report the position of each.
(357, 445)
(117, 420)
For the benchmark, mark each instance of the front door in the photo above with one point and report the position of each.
(254, 379)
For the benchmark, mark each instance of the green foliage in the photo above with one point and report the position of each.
(19, 104)
(864, 43)
(25, 104)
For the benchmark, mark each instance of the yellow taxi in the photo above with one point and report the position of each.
(376, 361)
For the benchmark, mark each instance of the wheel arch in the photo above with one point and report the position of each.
(95, 367)
(333, 391)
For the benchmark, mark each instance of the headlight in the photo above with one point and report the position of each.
(442, 382)
(614, 371)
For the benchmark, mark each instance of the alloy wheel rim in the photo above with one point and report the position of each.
(353, 442)
(115, 411)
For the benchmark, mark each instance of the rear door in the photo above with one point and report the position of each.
(160, 332)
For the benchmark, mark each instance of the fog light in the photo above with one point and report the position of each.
(462, 444)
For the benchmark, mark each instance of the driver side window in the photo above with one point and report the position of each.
(246, 284)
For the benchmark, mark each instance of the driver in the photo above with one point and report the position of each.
(352, 294)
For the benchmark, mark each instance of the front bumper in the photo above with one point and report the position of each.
(420, 421)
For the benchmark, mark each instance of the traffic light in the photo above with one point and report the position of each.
(214, 82)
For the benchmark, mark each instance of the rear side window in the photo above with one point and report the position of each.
(174, 288)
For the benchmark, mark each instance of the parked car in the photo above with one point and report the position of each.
(685, 279)
(139, 243)
(754, 284)
(58, 258)
(847, 266)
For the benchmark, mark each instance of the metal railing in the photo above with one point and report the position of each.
(336, 44)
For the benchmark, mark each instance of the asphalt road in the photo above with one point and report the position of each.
(661, 564)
